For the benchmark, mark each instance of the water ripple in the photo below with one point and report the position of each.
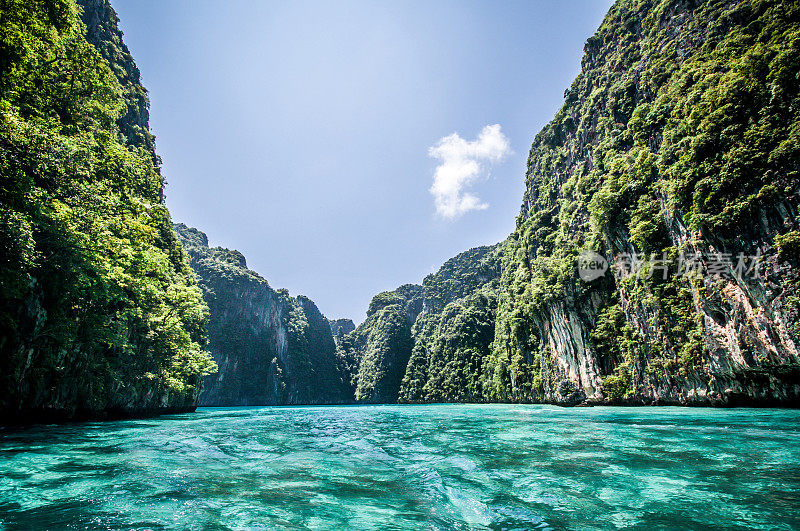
(409, 467)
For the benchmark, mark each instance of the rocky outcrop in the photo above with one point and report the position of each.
(377, 351)
(460, 276)
(341, 327)
(674, 165)
(671, 152)
(425, 343)
(99, 314)
(102, 31)
(271, 349)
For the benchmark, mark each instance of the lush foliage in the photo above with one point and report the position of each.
(341, 327)
(450, 348)
(427, 343)
(271, 348)
(460, 276)
(679, 135)
(98, 307)
(375, 354)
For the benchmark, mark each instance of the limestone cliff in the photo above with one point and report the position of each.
(423, 343)
(99, 313)
(270, 348)
(675, 158)
(102, 31)
(454, 332)
(375, 354)
(341, 327)
(671, 172)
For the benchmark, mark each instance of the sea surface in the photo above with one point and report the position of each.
(409, 467)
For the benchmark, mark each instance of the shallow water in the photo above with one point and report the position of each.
(409, 467)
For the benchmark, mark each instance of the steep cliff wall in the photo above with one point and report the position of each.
(453, 334)
(102, 32)
(678, 141)
(655, 258)
(270, 348)
(341, 327)
(375, 354)
(99, 314)
(426, 343)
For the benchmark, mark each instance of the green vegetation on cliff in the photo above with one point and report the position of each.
(427, 343)
(679, 136)
(341, 327)
(376, 352)
(678, 140)
(99, 312)
(271, 348)
(449, 350)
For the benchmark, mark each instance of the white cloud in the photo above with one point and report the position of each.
(462, 163)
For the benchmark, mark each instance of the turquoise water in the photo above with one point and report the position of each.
(409, 467)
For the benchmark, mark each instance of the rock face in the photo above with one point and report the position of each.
(453, 333)
(674, 160)
(99, 313)
(341, 327)
(425, 343)
(376, 352)
(102, 31)
(677, 141)
(271, 349)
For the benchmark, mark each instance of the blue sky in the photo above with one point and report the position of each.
(301, 133)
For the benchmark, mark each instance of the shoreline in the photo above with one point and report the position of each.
(52, 418)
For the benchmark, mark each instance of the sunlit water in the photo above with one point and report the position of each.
(409, 467)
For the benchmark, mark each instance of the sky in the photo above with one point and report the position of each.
(347, 148)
